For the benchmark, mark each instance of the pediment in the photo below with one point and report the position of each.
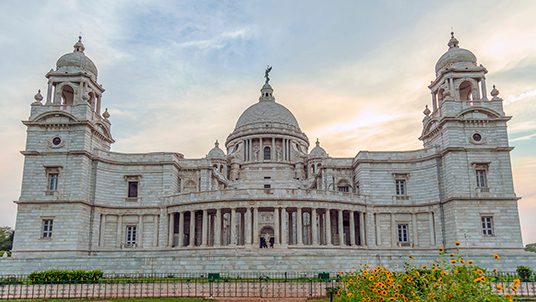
(479, 113)
(55, 117)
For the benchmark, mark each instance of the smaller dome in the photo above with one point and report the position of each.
(216, 152)
(76, 61)
(318, 151)
(455, 56)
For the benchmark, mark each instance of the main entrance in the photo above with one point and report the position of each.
(266, 237)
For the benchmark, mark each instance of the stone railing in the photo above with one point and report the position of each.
(265, 194)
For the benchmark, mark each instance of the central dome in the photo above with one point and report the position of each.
(267, 112)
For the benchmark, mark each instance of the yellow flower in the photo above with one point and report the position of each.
(456, 243)
(497, 257)
(480, 272)
(424, 266)
(453, 261)
(411, 257)
(445, 273)
(350, 294)
(517, 281)
(500, 287)
(441, 249)
(470, 262)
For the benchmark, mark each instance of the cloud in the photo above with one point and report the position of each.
(179, 74)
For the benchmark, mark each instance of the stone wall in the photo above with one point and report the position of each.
(268, 260)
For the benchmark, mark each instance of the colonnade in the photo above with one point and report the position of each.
(269, 227)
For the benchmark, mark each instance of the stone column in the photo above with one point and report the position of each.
(434, 101)
(415, 231)
(49, 94)
(217, 228)
(377, 228)
(192, 228)
(171, 229)
(299, 226)
(277, 236)
(273, 154)
(341, 228)
(284, 227)
(119, 232)
(328, 227)
(139, 243)
(352, 228)
(247, 227)
(314, 227)
(250, 151)
(233, 226)
(362, 228)
(484, 90)
(204, 229)
(256, 227)
(180, 242)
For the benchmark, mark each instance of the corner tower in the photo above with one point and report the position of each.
(474, 170)
(63, 134)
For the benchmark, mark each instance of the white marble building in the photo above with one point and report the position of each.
(267, 202)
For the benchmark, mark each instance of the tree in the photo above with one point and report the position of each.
(531, 247)
(6, 238)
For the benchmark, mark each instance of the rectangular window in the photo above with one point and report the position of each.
(133, 189)
(487, 225)
(47, 228)
(344, 188)
(481, 179)
(267, 186)
(131, 235)
(403, 236)
(52, 181)
(400, 187)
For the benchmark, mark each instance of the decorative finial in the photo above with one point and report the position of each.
(317, 142)
(426, 111)
(38, 97)
(79, 46)
(106, 115)
(216, 144)
(495, 94)
(453, 42)
(266, 73)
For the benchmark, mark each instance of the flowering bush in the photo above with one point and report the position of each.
(451, 278)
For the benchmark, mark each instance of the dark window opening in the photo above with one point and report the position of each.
(132, 189)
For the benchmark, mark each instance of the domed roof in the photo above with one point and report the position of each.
(76, 61)
(318, 151)
(455, 56)
(216, 152)
(267, 111)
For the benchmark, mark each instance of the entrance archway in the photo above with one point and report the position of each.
(266, 237)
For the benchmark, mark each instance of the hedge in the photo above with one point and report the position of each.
(65, 276)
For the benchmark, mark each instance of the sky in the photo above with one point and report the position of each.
(178, 74)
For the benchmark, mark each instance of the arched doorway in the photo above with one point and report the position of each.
(266, 237)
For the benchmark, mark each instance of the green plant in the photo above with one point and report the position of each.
(450, 278)
(524, 273)
(65, 276)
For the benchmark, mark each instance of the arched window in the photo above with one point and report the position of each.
(466, 91)
(67, 96)
(267, 153)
